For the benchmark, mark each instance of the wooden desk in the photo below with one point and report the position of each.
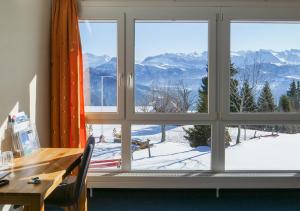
(49, 164)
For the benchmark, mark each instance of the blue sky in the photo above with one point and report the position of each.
(99, 39)
(255, 36)
(172, 37)
(157, 38)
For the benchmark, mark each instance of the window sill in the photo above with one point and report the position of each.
(193, 180)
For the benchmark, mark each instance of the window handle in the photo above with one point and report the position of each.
(130, 80)
(120, 79)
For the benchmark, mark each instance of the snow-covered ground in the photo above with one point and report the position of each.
(114, 109)
(265, 153)
(280, 152)
(175, 153)
(100, 108)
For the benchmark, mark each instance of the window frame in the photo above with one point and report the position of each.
(219, 77)
(92, 14)
(255, 15)
(180, 14)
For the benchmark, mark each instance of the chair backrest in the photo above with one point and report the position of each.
(83, 167)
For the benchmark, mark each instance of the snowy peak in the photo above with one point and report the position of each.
(92, 60)
(279, 58)
(199, 60)
(179, 60)
(186, 61)
(292, 56)
(239, 58)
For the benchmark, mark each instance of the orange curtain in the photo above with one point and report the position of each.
(67, 101)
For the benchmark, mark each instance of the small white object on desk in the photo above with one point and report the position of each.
(3, 174)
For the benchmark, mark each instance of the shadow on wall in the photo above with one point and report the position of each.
(5, 136)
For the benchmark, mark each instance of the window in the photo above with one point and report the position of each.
(265, 58)
(260, 112)
(171, 59)
(99, 41)
(192, 89)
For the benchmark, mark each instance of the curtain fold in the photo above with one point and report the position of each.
(67, 100)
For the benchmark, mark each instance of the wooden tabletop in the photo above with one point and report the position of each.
(49, 164)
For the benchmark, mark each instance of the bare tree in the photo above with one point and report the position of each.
(145, 104)
(250, 74)
(170, 98)
(184, 100)
(163, 101)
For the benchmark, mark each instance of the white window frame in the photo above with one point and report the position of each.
(129, 118)
(169, 14)
(219, 78)
(258, 118)
(92, 14)
(249, 14)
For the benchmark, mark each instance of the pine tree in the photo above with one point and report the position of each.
(200, 134)
(248, 98)
(293, 94)
(265, 101)
(284, 104)
(203, 95)
(234, 90)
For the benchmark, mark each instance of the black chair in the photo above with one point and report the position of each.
(67, 194)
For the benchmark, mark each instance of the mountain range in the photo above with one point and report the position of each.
(277, 67)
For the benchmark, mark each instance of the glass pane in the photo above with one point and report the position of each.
(171, 147)
(171, 66)
(107, 152)
(99, 45)
(262, 147)
(265, 67)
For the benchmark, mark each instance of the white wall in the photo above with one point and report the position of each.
(25, 63)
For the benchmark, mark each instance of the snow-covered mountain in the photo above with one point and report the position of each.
(199, 60)
(92, 60)
(178, 60)
(288, 57)
(279, 68)
(239, 58)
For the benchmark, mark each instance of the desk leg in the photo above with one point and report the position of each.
(33, 208)
(36, 204)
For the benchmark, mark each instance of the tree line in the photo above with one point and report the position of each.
(290, 102)
(243, 99)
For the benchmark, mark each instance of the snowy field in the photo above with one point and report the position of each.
(280, 152)
(262, 153)
(114, 109)
(100, 108)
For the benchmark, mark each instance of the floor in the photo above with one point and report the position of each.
(192, 200)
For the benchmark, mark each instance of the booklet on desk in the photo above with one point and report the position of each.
(3, 174)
